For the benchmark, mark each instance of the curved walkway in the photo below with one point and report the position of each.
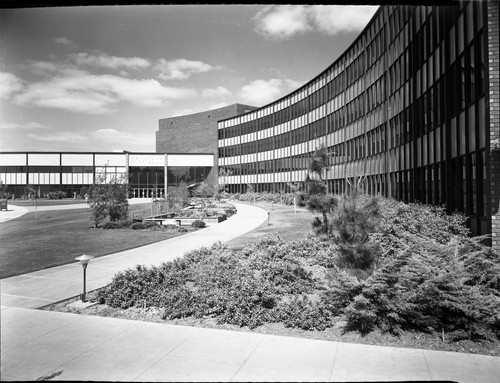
(43, 345)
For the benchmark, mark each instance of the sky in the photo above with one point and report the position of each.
(98, 78)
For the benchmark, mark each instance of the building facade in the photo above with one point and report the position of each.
(195, 133)
(149, 175)
(412, 105)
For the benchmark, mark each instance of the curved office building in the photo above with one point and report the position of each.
(412, 104)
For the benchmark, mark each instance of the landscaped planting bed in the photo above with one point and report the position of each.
(432, 287)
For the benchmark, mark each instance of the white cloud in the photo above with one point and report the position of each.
(103, 60)
(27, 125)
(284, 21)
(9, 84)
(220, 91)
(261, 92)
(43, 68)
(181, 69)
(64, 41)
(281, 22)
(65, 136)
(79, 91)
(333, 19)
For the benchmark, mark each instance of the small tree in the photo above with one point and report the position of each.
(98, 201)
(117, 199)
(108, 199)
(178, 196)
(204, 190)
(318, 200)
(355, 218)
(222, 182)
(3, 190)
(347, 221)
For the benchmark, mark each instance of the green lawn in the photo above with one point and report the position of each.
(57, 237)
(283, 221)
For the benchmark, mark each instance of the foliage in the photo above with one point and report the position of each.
(84, 190)
(3, 191)
(204, 190)
(29, 192)
(354, 218)
(110, 225)
(318, 200)
(57, 194)
(222, 180)
(199, 224)
(276, 198)
(108, 198)
(434, 278)
(178, 196)
(232, 287)
(347, 220)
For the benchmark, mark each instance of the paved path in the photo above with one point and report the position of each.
(37, 344)
(80, 347)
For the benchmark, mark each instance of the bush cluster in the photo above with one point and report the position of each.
(283, 198)
(146, 225)
(429, 276)
(57, 194)
(199, 224)
(231, 286)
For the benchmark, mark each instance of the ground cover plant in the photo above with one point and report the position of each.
(429, 278)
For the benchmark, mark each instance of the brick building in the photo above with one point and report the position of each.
(195, 133)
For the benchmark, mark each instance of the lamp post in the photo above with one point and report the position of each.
(268, 216)
(84, 261)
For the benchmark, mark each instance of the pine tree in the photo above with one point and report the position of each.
(318, 199)
(356, 217)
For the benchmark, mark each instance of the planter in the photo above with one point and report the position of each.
(180, 221)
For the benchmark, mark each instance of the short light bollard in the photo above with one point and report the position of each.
(268, 217)
(84, 261)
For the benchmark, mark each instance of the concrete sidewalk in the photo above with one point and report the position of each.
(15, 211)
(61, 346)
(12, 212)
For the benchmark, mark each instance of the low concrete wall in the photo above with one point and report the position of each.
(181, 221)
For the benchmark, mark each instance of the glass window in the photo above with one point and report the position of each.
(481, 126)
(452, 44)
(460, 30)
(472, 129)
(453, 137)
(462, 130)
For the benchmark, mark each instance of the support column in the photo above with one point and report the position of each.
(165, 175)
(493, 98)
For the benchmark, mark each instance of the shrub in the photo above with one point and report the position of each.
(146, 225)
(182, 229)
(199, 224)
(116, 225)
(302, 312)
(57, 194)
(204, 190)
(423, 288)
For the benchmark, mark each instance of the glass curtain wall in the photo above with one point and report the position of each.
(403, 106)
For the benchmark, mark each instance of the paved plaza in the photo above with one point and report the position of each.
(37, 344)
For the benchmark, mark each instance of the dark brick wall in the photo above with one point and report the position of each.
(494, 119)
(195, 133)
